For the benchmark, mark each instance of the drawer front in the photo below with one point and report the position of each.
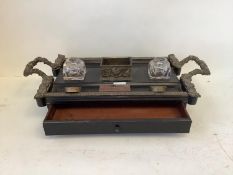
(121, 126)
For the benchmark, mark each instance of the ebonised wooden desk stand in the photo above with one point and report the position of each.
(139, 110)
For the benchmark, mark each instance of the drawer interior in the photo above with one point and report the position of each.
(116, 111)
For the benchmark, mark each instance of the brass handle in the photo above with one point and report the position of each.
(46, 80)
(186, 79)
(29, 69)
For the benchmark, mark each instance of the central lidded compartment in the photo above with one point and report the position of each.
(116, 69)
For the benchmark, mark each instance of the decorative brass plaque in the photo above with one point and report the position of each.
(113, 69)
(114, 88)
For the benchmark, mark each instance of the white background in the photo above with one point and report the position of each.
(31, 28)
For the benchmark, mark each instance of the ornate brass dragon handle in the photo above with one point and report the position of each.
(46, 80)
(186, 79)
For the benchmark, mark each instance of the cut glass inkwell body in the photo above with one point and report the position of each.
(74, 69)
(159, 68)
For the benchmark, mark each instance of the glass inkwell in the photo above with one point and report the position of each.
(159, 68)
(74, 69)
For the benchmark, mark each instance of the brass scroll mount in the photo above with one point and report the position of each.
(46, 80)
(186, 79)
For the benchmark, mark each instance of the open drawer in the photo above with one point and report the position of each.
(114, 117)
